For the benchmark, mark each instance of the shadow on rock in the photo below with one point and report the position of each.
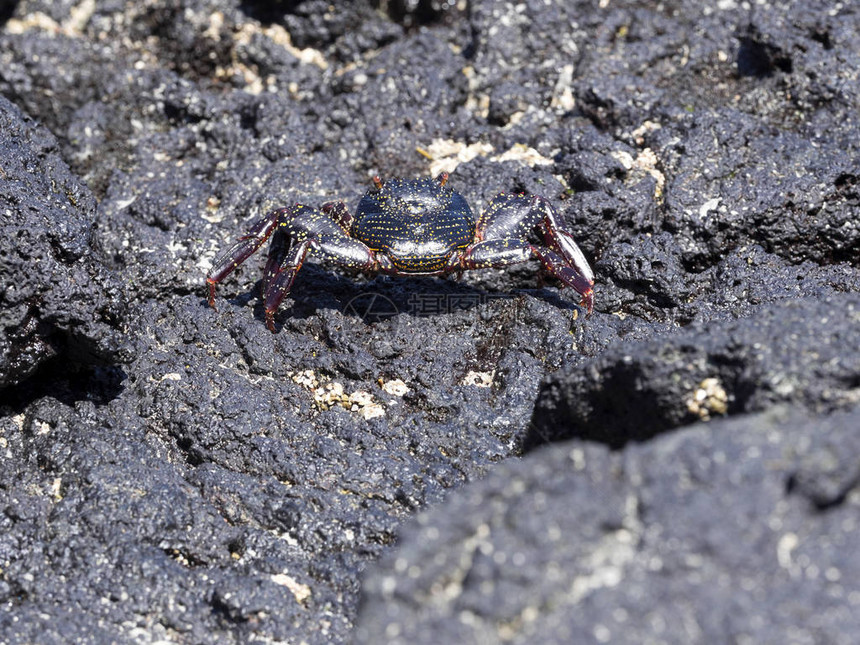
(639, 390)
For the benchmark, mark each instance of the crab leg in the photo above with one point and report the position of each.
(241, 250)
(563, 258)
(496, 253)
(339, 212)
(507, 215)
(284, 262)
(295, 231)
(570, 276)
(560, 240)
(502, 233)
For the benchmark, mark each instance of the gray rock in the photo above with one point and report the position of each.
(739, 529)
(213, 482)
(805, 351)
(57, 300)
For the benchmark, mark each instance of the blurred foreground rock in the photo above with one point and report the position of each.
(736, 530)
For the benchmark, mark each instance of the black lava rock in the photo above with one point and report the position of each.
(57, 300)
(177, 473)
(638, 390)
(738, 528)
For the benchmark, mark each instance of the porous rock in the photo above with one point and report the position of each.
(637, 390)
(219, 483)
(57, 298)
(736, 529)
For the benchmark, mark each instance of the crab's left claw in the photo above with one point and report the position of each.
(563, 257)
(576, 274)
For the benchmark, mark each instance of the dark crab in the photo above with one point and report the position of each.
(408, 227)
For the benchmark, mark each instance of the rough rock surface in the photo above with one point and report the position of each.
(57, 302)
(175, 473)
(738, 530)
(805, 351)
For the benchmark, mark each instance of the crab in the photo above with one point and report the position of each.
(408, 227)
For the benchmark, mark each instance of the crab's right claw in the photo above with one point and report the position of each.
(240, 250)
(580, 283)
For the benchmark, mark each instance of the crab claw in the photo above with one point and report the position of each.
(571, 274)
(588, 300)
(564, 258)
(240, 251)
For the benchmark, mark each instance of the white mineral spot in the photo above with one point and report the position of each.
(395, 387)
(300, 591)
